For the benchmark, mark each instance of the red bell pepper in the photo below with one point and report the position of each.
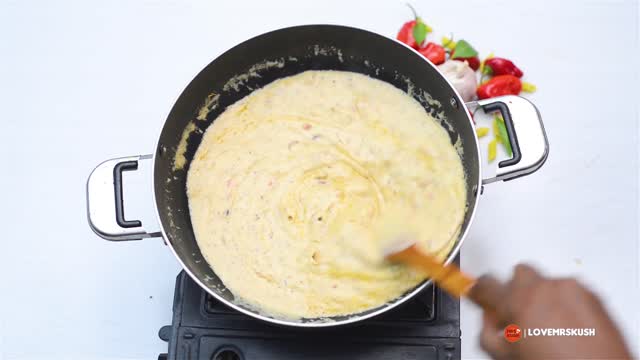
(498, 86)
(433, 52)
(405, 34)
(501, 66)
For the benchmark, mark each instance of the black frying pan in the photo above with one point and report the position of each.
(272, 56)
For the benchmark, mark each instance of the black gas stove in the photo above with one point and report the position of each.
(426, 327)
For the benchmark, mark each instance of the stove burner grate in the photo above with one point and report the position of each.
(426, 327)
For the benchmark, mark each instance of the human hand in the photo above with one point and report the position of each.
(531, 301)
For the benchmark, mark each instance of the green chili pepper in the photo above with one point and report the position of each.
(500, 131)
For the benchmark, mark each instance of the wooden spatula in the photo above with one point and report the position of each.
(448, 277)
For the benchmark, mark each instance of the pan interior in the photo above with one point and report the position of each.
(256, 63)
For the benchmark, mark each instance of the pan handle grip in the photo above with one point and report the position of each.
(526, 135)
(105, 203)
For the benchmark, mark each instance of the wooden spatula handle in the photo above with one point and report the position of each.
(448, 277)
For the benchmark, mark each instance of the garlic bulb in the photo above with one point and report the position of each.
(461, 76)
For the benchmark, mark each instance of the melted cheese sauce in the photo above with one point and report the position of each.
(295, 187)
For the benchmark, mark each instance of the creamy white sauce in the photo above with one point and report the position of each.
(295, 187)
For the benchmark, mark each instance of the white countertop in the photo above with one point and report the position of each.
(80, 83)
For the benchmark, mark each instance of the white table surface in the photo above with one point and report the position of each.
(81, 82)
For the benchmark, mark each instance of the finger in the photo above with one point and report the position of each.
(489, 293)
(491, 338)
(520, 286)
(523, 277)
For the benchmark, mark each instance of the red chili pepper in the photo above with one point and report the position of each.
(405, 34)
(433, 52)
(473, 62)
(498, 86)
(501, 66)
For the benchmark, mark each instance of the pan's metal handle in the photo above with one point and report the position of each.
(526, 135)
(105, 205)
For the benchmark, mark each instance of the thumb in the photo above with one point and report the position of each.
(489, 293)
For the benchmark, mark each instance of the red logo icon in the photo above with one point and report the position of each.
(512, 333)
